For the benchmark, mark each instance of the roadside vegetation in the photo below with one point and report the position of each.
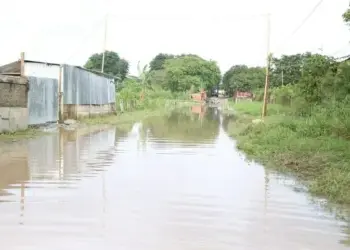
(168, 80)
(163, 85)
(307, 130)
(20, 134)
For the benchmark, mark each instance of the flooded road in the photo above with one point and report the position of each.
(169, 183)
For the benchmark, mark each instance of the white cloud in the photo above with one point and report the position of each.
(222, 30)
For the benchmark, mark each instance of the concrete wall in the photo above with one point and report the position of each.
(73, 111)
(13, 103)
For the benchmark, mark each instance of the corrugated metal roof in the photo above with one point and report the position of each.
(47, 63)
(97, 72)
(13, 68)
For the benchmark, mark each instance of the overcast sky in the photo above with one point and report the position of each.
(227, 31)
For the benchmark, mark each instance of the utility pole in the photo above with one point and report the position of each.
(268, 59)
(282, 78)
(104, 44)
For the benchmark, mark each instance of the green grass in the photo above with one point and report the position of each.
(151, 107)
(21, 134)
(152, 104)
(255, 108)
(120, 118)
(137, 114)
(307, 147)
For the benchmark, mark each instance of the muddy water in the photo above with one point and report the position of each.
(171, 182)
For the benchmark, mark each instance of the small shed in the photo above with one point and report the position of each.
(78, 91)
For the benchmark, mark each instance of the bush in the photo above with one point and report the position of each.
(283, 95)
(134, 96)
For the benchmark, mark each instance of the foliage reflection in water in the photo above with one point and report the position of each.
(168, 182)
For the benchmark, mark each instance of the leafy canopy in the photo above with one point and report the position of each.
(114, 65)
(243, 78)
(158, 61)
(190, 72)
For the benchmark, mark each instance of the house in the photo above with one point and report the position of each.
(61, 91)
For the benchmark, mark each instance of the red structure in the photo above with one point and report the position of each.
(243, 95)
(199, 110)
(201, 96)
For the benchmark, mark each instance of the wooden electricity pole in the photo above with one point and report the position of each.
(282, 78)
(268, 59)
(104, 45)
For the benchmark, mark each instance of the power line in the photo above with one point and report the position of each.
(340, 49)
(304, 21)
(225, 18)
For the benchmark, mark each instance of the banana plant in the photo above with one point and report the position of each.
(143, 75)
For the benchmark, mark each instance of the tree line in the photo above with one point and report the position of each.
(176, 73)
(303, 80)
(308, 77)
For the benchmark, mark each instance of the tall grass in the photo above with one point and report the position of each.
(136, 97)
(313, 147)
(254, 108)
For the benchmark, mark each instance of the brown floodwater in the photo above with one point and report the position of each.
(170, 182)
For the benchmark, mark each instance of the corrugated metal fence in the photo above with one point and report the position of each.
(83, 87)
(42, 100)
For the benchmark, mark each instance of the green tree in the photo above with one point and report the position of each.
(123, 68)
(157, 78)
(312, 85)
(287, 69)
(243, 78)
(114, 65)
(190, 72)
(346, 16)
(158, 61)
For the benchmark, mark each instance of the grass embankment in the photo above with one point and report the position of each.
(150, 107)
(135, 115)
(313, 148)
(21, 134)
(119, 118)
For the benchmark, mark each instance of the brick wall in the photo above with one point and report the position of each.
(13, 91)
(13, 103)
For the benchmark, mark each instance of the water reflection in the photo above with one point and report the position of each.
(322, 208)
(197, 125)
(171, 182)
(17, 155)
(226, 119)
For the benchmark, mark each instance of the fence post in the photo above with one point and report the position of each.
(22, 63)
(60, 93)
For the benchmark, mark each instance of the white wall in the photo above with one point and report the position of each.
(42, 70)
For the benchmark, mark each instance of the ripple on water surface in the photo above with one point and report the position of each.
(172, 182)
